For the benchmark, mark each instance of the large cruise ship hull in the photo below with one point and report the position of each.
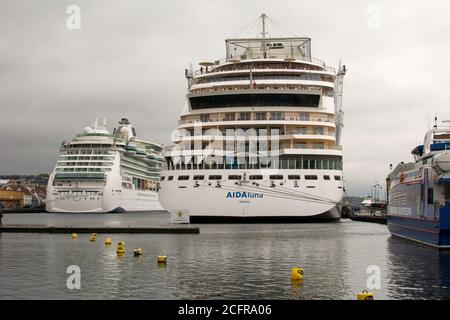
(232, 201)
(124, 201)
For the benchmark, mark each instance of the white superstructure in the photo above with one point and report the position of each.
(260, 136)
(99, 171)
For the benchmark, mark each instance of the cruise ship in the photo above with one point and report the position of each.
(260, 136)
(103, 172)
(419, 192)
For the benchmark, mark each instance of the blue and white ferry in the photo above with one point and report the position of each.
(419, 192)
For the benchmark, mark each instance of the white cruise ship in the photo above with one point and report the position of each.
(259, 138)
(99, 171)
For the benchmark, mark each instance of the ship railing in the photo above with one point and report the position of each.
(284, 118)
(227, 88)
(235, 66)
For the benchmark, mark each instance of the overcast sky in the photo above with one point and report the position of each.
(128, 59)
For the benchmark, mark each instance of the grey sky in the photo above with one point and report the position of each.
(129, 57)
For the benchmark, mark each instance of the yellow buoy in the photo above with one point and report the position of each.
(92, 238)
(297, 274)
(74, 236)
(138, 252)
(365, 295)
(120, 249)
(108, 241)
(162, 259)
(121, 244)
(93, 234)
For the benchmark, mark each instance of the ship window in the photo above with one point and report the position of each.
(276, 177)
(337, 178)
(261, 115)
(199, 177)
(215, 177)
(256, 177)
(163, 178)
(275, 116)
(255, 100)
(183, 178)
(311, 177)
(430, 196)
(294, 177)
(170, 178)
(326, 177)
(234, 177)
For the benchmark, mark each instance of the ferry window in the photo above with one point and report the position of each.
(276, 177)
(170, 178)
(326, 177)
(234, 177)
(311, 177)
(215, 177)
(163, 178)
(199, 177)
(430, 196)
(294, 177)
(337, 178)
(183, 178)
(256, 177)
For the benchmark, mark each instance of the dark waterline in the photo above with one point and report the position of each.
(237, 261)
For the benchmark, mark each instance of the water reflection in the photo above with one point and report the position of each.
(222, 262)
(417, 271)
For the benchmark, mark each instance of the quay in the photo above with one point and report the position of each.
(105, 230)
(381, 219)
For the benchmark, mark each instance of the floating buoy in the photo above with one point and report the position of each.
(93, 235)
(297, 274)
(121, 244)
(138, 252)
(120, 250)
(74, 236)
(108, 241)
(365, 295)
(162, 259)
(92, 238)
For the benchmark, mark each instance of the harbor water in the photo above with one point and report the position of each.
(227, 261)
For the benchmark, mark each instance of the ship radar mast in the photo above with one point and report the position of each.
(264, 47)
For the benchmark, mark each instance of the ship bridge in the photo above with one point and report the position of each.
(298, 48)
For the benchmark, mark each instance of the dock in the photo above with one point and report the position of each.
(105, 230)
(381, 219)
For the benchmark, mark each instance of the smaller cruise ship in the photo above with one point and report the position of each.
(419, 192)
(101, 172)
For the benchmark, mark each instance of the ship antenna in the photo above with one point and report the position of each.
(435, 120)
(263, 18)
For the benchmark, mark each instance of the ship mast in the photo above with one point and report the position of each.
(263, 18)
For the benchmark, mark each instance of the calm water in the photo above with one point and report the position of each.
(222, 262)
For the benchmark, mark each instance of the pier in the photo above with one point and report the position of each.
(105, 230)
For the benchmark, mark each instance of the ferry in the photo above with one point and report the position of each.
(260, 136)
(103, 172)
(419, 192)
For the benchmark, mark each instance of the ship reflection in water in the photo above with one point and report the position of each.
(417, 271)
(222, 262)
